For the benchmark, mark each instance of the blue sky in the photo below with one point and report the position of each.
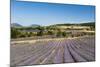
(27, 13)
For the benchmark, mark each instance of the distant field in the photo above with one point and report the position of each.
(50, 51)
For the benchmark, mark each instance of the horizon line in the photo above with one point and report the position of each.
(55, 23)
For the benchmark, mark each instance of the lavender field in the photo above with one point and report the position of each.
(50, 51)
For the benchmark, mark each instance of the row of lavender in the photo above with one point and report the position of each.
(71, 50)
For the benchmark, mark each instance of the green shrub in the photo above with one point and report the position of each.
(15, 33)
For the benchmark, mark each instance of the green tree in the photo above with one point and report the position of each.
(15, 33)
(59, 33)
(50, 33)
(40, 33)
(64, 34)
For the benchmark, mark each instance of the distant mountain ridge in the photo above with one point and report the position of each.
(16, 25)
(34, 25)
(65, 24)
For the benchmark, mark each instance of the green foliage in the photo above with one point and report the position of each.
(15, 33)
(64, 34)
(59, 33)
(50, 33)
(40, 33)
(22, 35)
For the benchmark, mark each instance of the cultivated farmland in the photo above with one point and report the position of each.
(50, 51)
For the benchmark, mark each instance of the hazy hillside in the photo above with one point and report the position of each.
(15, 25)
(34, 25)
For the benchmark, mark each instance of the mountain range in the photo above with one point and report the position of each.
(66, 24)
(19, 25)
